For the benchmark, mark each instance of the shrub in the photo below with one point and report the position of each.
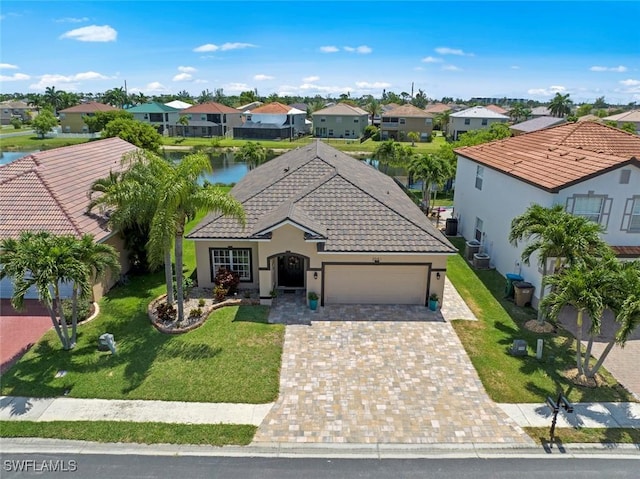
(220, 293)
(195, 313)
(201, 302)
(16, 123)
(166, 312)
(229, 280)
(187, 285)
(84, 309)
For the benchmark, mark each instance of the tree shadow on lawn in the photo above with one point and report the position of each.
(252, 314)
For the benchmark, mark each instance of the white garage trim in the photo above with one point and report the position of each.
(366, 283)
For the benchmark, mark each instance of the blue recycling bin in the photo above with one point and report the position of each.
(509, 290)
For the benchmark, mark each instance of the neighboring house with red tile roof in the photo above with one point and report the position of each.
(437, 108)
(72, 119)
(319, 220)
(340, 121)
(498, 109)
(272, 121)
(476, 118)
(209, 119)
(398, 122)
(632, 116)
(593, 170)
(48, 191)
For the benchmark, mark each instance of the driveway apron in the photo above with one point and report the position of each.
(382, 382)
(19, 330)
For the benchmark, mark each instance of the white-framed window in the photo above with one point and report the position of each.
(625, 176)
(203, 117)
(479, 176)
(485, 122)
(356, 120)
(346, 132)
(238, 260)
(403, 121)
(631, 215)
(330, 132)
(589, 207)
(477, 232)
(322, 119)
(428, 121)
(467, 121)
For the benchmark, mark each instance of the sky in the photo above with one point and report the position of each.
(512, 49)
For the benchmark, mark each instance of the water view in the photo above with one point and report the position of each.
(226, 169)
(9, 156)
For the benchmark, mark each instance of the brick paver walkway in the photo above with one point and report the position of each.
(382, 382)
(19, 330)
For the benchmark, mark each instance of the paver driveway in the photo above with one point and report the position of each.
(382, 382)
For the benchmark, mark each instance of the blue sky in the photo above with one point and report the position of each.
(446, 48)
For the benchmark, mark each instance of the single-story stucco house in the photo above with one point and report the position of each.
(48, 191)
(319, 220)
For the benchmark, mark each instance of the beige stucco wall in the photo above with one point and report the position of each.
(101, 288)
(290, 239)
(74, 122)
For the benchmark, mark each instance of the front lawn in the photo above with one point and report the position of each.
(516, 379)
(137, 432)
(233, 357)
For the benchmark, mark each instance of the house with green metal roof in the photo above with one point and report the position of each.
(163, 117)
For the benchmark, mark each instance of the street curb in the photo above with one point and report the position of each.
(345, 451)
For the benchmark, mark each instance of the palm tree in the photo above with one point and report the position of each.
(116, 97)
(519, 112)
(584, 287)
(391, 153)
(184, 122)
(102, 260)
(53, 98)
(44, 261)
(430, 169)
(413, 136)
(554, 233)
(130, 198)
(180, 197)
(373, 108)
(254, 154)
(36, 100)
(560, 105)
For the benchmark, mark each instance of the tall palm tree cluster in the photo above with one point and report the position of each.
(45, 261)
(585, 274)
(155, 198)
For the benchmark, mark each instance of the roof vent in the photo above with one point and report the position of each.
(286, 169)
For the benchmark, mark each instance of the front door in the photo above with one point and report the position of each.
(290, 271)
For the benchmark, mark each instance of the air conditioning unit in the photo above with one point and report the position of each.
(471, 247)
(481, 261)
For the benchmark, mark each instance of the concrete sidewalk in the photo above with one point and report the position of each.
(592, 415)
(72, 409)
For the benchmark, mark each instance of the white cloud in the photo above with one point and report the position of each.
(630, 82)
(362, 49)
(8, 66)
(92, 33)
(452, 68)
(367, 85)
(431, 60)
(619, 69)
(262, 77)
(329, 49)
(14, 77)
(236, 87)
(200, 81)
(183, 77)
(551, 91)
(154, 86)
(71, 20)
(187, 69)
(212, 47)
(452, 51)
(66, 82)
(311, 79)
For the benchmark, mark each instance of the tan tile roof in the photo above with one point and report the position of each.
(630, 116)
(348, 204)
(437, 108)
(90, 107)
(497, 109)
(47, 191)
(210, 107)
(408, 110)
(560, 156)
(275, 108)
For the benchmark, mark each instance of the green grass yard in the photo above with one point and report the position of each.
(505, 377)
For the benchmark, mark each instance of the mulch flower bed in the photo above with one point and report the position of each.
(197, 307)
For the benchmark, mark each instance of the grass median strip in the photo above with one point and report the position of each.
(132, 432)
(506, 378)
(569, 435)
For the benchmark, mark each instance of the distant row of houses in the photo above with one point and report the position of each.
(278, 121)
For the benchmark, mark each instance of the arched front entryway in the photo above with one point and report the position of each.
(291, 270)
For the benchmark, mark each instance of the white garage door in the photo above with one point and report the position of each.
(375, 284)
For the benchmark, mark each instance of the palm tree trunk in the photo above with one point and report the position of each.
(179, 275)
(592, 372)
(74, 317)
(168, 275)
(54, 320)
(542, 288)
(579, 343)
(587, 356)
(63, 321)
